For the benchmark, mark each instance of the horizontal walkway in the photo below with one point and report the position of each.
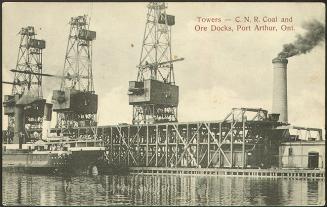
(289, 173)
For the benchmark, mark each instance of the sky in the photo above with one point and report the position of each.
(221, 70)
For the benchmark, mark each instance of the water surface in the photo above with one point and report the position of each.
(28, 189)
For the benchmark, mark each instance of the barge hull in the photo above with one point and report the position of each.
(34, 163)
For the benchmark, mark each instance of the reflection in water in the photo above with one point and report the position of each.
(19, 190)
(26, 189)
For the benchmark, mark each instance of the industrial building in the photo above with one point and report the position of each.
(246, 138)
(302, 154)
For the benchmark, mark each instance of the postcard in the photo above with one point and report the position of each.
(163, 103)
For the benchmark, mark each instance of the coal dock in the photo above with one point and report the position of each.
(246, 142)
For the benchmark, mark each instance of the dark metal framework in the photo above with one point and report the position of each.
(27, 76)
(150, 113)
(156, 63)
(68, 120)
(77, 73)
(29, 60)
(78, 58)
(156, 46)
(239, 140)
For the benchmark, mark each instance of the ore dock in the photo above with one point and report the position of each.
(246, 142)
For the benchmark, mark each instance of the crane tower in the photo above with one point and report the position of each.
(154, 95)
(27, 84)
(76, 101)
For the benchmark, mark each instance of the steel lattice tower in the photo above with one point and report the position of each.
(76, 101)
(156, 46)
(155, 71)
(27, 84)
(77, 73)
(29, 64)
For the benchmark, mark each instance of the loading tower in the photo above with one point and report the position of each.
(27, 84)
(154, 95)
(76, 103)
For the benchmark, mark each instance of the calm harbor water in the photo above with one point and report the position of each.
(28, 189)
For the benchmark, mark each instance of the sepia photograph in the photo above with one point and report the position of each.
(163, 103)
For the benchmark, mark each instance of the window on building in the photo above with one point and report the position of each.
(290, 151)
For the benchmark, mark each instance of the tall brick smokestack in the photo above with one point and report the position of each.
(314, 35)
(279, 105)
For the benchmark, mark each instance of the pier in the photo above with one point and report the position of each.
(246, 143)
(245, 138)
(273, 173)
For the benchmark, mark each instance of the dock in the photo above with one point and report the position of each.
(271, 173)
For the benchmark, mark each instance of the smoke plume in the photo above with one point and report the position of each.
(305, 43)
